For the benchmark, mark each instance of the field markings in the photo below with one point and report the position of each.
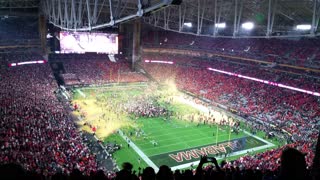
(205, 109)
(168, 145)
(182, 166)
(178, 137)
(185, 132)
(81, 93)
(176, 134)
(179, 126)
(267, 142)
(200, 134)
(116, 86)
(183, 148)
(139, 152)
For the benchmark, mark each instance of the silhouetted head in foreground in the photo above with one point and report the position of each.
(293, 165)
(12, 171)
(164, 173)
(126, 172)
(148, 174)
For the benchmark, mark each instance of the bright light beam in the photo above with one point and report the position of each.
(266, 82)
(156, 61)
(220, 25)
(247, 25)
(27, 62)
(303, 27)
(188, 24)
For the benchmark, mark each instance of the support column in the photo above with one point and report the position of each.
(121, 38)
(43, 32)
(235, 29)
(315, 17)
(136, 53)
(272, 9)
(237, 17)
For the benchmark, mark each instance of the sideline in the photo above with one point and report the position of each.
(81, 93)
(140, 153)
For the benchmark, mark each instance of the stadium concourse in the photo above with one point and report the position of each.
(39, 139)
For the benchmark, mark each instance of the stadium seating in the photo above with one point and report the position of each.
(97, 69)
(272, 50)
(36, 130)
(292, 167)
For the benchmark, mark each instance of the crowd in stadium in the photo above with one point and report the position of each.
(145, 108)
(292, 166)
(302, 52)
(96, 69)
(36, 130)
(51, 143)
(38, 133)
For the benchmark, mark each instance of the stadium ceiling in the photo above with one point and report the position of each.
(227, 18)
(87, 15)
(214, 18)
(19, 4)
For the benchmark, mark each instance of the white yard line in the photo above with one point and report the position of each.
(168, 145)
(114, 86)
(81, 93)
(141, 154)
(268, 143)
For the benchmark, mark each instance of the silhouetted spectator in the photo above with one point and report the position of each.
(293, 165)
(164, 173)
(148, 174)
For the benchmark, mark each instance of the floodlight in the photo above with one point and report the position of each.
(303, 27)
(220, 25)
(49, 36)
(188, 24)
(247, 25)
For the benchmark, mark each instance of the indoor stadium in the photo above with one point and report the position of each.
(160, 89)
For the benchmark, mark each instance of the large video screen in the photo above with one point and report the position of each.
(81, 42)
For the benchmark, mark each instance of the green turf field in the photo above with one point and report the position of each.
(177, 141)
(174, 142)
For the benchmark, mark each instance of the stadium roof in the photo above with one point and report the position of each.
(201, 17)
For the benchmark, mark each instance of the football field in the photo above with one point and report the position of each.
(157, 141)
(180, 144)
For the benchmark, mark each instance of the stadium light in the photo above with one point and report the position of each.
(220, 25)
(27, 62)
(188, 24)
(247, 25)
(157, 61)
(49, 36)
(303, 27)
